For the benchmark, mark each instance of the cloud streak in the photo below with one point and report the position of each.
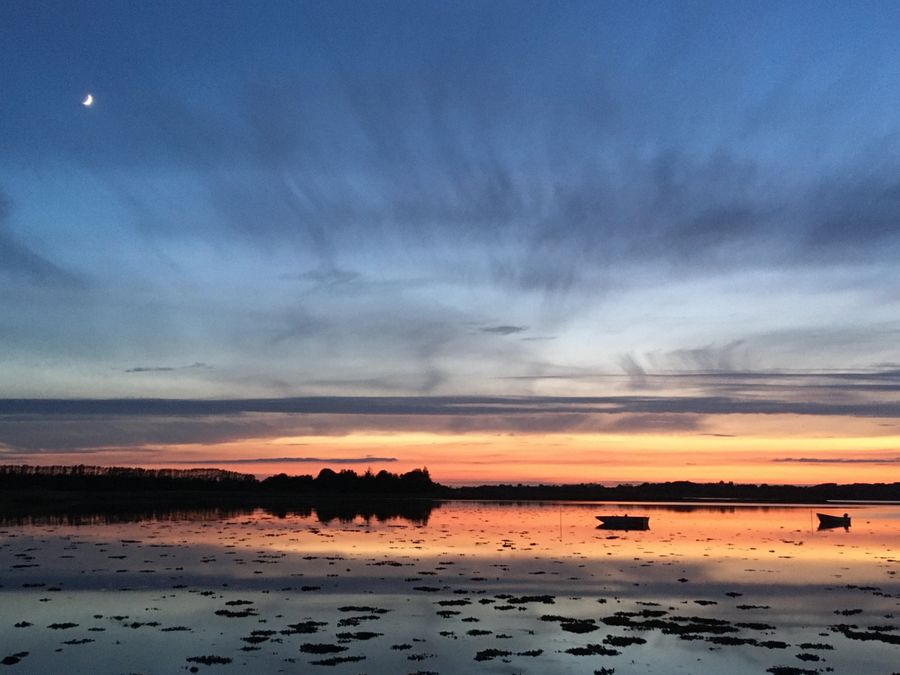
(166, 369)
(335, 154)
(775, 403)
(286, 460)
(20, 262)
(503, 330)
(837, 460)
(667, 402)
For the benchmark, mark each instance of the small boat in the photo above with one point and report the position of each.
(624, 522)
(826, 520)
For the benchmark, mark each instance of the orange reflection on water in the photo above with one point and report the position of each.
(765, 570)
(719, 544)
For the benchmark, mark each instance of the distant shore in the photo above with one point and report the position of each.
(61, 489)
(686, 491)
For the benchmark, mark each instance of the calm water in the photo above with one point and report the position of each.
(498, 588)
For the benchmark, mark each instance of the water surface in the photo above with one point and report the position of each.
(459, 587)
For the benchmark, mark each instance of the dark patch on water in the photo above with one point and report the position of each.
(236, 614)
(13, 659)
(623, 641)
(209, 660)
(359, 635)
(851, 632)
(303, 627)
(321, 648)
(593, 650)
(363, 608)
(490, 654)
(336, 660)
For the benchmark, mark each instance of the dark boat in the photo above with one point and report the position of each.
(826, 521)
(624, 522)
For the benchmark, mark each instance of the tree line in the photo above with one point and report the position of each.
(684, 491)
(81, 477)
(347, 481)
(347, 484)
(104, 478)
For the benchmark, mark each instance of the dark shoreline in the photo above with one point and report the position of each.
(62, 490)
(686, 491)
(68, 507)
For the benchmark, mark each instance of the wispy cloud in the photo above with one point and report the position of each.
(36, 426)
(656, 423)
(364, 222)
(860, 393)
(455, 406)
(21, 262)
(503, 330)
(286, 460)
(167, 369)
(838, 460)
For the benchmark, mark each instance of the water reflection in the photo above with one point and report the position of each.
(343, 510)
(326, 511)
(413, 511)
(830, 521)
(418, 586)
(111, 516)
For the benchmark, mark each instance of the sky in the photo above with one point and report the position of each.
(509, 241)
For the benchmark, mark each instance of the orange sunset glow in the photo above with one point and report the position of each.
(469, 440)
(568, 458)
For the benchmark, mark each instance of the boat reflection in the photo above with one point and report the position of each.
(829, 522)
(623, 522)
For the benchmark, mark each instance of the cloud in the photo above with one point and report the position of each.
(71, 434)
(734, 368)
(649, 423)
(65, 432)
(287, 460)
(637, 375)
(20, 262)
(503, 330)
(327, 278)
(776, 402)
(457, 147)
(729, 357)
(836, 460)
(167, 369)
(71, 425)
(405, 186)
(856, 215)
(123, 424)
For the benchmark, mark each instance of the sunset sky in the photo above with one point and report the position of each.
(509, 241)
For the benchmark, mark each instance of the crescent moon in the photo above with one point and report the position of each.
(88, 101)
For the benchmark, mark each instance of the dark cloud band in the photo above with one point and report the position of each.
(286, 460)
(452, 406)
(838, 460)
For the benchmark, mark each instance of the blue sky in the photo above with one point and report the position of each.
(427, 198)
